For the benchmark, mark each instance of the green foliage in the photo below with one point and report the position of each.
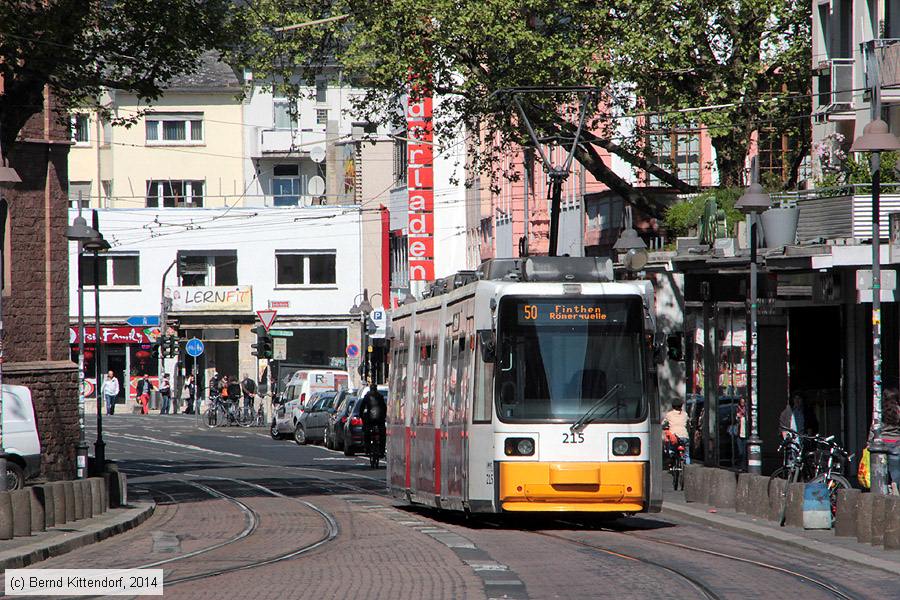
(857, 168)
(682, 217)
(81, 47)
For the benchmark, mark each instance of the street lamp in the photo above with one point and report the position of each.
(80, 233)
(8, 176)
(753, 202)
(363, 309)
(632, 249)
(97, 245)
(876, 138)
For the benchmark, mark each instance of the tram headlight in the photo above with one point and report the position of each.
(519, 447)
(630, 446)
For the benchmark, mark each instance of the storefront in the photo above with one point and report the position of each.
(123, 350)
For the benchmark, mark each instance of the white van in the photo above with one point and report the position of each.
(300, 387)
(20, 436)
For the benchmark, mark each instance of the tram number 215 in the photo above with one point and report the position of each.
(574, 437)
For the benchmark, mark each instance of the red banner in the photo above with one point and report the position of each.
(116, 335)
(420, 185)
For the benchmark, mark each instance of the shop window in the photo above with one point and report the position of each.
(299, 268)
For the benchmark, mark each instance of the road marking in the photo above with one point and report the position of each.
(143, 438)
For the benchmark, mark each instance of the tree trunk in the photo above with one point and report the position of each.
(731, 156)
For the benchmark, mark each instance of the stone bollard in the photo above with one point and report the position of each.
(38, 497)
(88, 494)
(721, 488)
(123, 488)
(59, 502)
(78, 496)
(845, 516)
(777, 498)
(892, 523)
(759, 496)
(693, 483)
(864, 518)
(69, 491)
(879, 505)
(6, 516)
(98, 502)
(742, 494)
(49, 505)
(111, 484)
(793, 516)
(21, 507)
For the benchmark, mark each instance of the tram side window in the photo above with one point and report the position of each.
(484, 390)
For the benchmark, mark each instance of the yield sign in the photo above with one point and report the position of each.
(267, 317)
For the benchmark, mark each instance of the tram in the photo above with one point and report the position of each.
(529, 385)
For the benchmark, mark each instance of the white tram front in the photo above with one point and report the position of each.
(529, 386)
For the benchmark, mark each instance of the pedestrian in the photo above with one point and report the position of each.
(890, 433)
(165, 394)
(187, 395)
(738, 428)
(144, 387)
(110, 392)
(248, 390)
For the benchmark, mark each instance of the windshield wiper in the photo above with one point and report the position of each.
(586, 417)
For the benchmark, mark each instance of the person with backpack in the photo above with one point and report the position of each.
(373, 412)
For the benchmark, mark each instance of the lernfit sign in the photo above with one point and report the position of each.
(420, 184)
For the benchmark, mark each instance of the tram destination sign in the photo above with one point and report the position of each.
(571, 313)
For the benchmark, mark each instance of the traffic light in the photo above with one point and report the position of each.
(263, 348)
(172, 346)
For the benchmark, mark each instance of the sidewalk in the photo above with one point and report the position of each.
(23, 551)
(819, 541)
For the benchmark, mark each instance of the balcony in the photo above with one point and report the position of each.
(283, 142)
(834, 89)
(887, 53)
(843, 213)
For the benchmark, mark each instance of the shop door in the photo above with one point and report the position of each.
(114, 360)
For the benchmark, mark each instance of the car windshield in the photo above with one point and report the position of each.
(558, 357)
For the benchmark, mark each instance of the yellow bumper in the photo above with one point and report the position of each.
(579, 487)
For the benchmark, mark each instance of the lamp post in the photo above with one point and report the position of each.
(363, 309)
(753, 202)
(8, 176)
(631, 248)
(876, 138)
(80, 233)
(97, 245)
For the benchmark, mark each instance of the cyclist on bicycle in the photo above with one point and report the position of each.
(677, 420)
(373, 412)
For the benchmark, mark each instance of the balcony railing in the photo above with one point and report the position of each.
(887, 53)
(835, 85)
(285, 141)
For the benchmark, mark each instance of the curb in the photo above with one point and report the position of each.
(783, 537)
(37, 551)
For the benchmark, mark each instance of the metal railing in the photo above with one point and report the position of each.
(887, 53)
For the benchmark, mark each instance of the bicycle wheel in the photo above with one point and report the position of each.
(245, 417)
(834, 483)
(676, 477)
(211, 418)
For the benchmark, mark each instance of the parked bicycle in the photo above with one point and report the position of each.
(226, 412)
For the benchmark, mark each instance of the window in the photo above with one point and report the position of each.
(286, 185)
(321, 116)
(298, 268)
(81, 128)
(283, 118)
(321, 90)
(174, 129)
(79, 191)
(117, 270)
(106, 187)
(175, 193)
(202, 268)
(675, 149)
(400, 161)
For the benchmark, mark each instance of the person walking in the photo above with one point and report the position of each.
(188, 391)
(144, 387)
(110, 392)
(165, 394)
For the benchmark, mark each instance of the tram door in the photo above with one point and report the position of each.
(398, 437)
(453, 441)
(423, 445)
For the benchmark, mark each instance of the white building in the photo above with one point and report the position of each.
(228, 264)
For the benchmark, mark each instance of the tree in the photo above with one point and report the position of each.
(641, 55)
(81, 47)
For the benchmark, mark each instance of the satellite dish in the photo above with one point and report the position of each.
(316, 186)
(317, 153)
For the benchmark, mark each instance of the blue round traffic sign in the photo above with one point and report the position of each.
(194, 347)
(352, 350)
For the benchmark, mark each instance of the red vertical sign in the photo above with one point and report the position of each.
(420, 184)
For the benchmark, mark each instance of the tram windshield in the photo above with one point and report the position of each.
(559, 357)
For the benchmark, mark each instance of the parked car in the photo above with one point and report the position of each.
(334, 432)
(309, 425)
(20, 437)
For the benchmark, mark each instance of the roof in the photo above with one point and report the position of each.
(211, 74)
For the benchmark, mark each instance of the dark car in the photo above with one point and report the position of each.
(311, 423)
(334, 431)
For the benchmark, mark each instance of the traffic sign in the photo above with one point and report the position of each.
(352, 350)
(143, 321)
(379, 318)
(267, 317)
(279, 349)
(194, 347)
(281, 333)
